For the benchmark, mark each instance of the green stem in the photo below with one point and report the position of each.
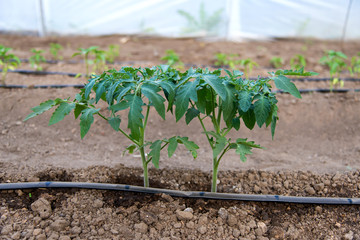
(216, 162)
(142, 149)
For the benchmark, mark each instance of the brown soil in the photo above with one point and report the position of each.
(315, 153)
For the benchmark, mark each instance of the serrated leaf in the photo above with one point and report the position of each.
(191, 113)
(135, 116)
(164, 68)
(111, 92)
(216, 83)
(245, 100)
(86, 119)
(122, 92)
(228, 104)
(78, 109)
(169, 91)
(190, 145)
(219, 146)
(150, 91)
(284, 83)
(201, 103)
(236, 123)
(100, 91)
(88, 87)
(173, 143)
(183, 96)
(115, 123)
(119, 106)
(244, 148)
(155, 152)
(262, 110)
(43, 107)
(131, 148)
(61, 111)
(249, 119)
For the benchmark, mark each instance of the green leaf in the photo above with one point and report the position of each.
(173, 143)
(216, 83)
(262, 109)
(245, 100)
(111, 92)
(183, 96)
(150, 91)
(61, 111)
(100, 91)
(78, 109)
(88, 87)
(244, 148)
(191, 113)
(122, 92)
(86, 119)
(236, 123)
(43, 107)
(274, 120)
(119, 106)
(169, 91)
(155, 152)
(228, 103)
(249, 119)
(131, 148)
(115, 123)
(284, 83)
(135, 116)
(190, 145)
(219, 146)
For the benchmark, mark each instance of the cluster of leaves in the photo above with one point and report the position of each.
(195, 94)
(172, 59)
(54, 50)
(336, 63)
(355, 65)
(205, 25)
(298, 61)
(277, 62)
(99, 59)
(233, 61)
(37, 59)
(7, 61)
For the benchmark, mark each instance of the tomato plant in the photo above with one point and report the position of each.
(85, 52)
(173, 59)
(335, 61)
(298, 61)
(7, 61)
(225, 100)
(112, 53)
(37, 59)
(277, 62)
(54, 50)
(132, 90)
(355, 65)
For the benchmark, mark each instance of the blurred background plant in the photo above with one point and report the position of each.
(7, 61)
(37, 59)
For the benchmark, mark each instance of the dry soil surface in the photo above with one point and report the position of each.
(315, 152)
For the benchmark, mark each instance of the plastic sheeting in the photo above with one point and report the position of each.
(230, 19)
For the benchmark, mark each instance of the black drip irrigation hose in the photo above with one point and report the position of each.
(184, 194)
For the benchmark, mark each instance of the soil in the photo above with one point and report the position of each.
(315, 152)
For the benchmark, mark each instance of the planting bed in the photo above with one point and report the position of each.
(315, 152)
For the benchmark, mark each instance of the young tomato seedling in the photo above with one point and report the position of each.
(85, 52)
(37, 59)
(298, 61)
(54, 50)
(7, 61)
(225, 100)
(173, 59)
(132, 90)
(335, 61)
(277, 62)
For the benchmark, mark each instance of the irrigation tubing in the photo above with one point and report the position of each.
(184, 194)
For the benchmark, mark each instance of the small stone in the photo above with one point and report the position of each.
(148, 217)
(16, 236)
(76, 230)
(37, 231)
(261, 229)
(182, 215)
(276, 233)
(319, 187)
(203, 220)
(6, 229)
(167, 197)
(252, 224)
(257, 189)
(190, 224)
(349, 235)
(189, 209)
(43, 207)
(310, 190)
(59, 225)
(336, 177)
(231, 220)
(41, 237)
(202, 229)
(177, 225)
(318, 209)
(141, 227)
(53, 236)
(98, 203)
(64, 238)
(236, 233)
(223, 213)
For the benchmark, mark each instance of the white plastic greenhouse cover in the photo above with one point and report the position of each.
(230, 19)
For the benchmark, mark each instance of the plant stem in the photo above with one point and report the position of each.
(142, 149)
(214, 175)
